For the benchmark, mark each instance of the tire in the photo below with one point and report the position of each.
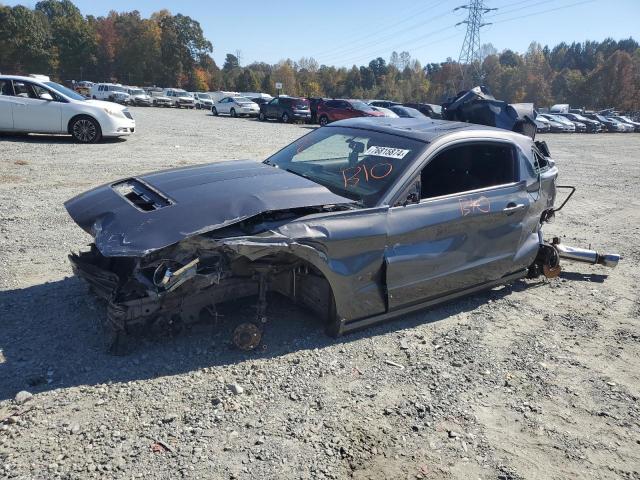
(285, 117)
(214, 111)
(233, 113)
(262, 117)
(324, 120)
(85, 129)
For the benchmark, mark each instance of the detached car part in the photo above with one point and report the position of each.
(359, 222)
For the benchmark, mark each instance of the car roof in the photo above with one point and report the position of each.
(21, 77)
(426, 129)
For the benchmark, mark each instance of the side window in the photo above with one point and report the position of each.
(6, 88)
(23, 89)
(42, 93)
(275, 101)
(468, 167)
(332, 104)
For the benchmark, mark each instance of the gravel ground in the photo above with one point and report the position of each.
(537, 380)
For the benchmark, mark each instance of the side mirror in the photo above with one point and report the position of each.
(411, 198)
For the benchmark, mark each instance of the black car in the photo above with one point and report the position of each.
(286, 109)
(610, 124)
(383, 103)
(428, 109)
(259, 100)
(592, 126)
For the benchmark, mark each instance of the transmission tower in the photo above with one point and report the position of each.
(470, 51)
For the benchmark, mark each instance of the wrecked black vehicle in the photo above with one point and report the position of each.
(358, 221)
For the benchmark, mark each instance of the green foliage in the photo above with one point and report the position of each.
(170, 50)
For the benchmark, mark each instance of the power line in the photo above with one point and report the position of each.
(349, 53)
(519, 17)
(506, 12)
(385, 25)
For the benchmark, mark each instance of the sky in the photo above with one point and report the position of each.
(347, 32)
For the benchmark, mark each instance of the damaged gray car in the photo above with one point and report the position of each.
(359, 221)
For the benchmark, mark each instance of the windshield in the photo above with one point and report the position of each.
(136, 91)
(357, 164)
(363, 107)
(579, 117)
(65, 91)
(559, 118)
(204, 96)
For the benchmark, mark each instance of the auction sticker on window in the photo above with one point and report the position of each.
(389, 152)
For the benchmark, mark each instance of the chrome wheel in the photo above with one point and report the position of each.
(285, 117)
(85, 130)
(233, 112)
(214, 111)
(323, 120)
(261, 117)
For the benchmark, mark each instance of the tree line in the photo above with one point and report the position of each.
(171, 50)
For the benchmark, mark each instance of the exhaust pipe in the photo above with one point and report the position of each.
(584, 255)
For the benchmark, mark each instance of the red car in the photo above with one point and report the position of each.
(334, 110)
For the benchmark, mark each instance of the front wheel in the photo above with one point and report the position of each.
(262, 117)
(233, 113)
(85, 130)
(285, 117)
(214, 111)
(324, 120)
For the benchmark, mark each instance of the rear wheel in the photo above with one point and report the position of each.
(214, 111)
(324, 120)
(85, 130)
(233, 113)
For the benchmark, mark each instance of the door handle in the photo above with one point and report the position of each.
(512, 207)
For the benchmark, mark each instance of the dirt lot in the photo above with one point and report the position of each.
(537, 380)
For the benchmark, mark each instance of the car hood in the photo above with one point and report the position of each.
(188, 201)
(102, 104)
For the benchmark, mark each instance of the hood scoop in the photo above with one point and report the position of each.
(140, 195)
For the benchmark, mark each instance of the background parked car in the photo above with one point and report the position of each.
(236, 107)
(286, 109)
(340, 109)
(158, 98)
(610, 124)
(112, 92)
(386, 112)
(429, 109)
(220, 94)
(626, 120)
(382, 103)
(30, 105)
(137, 96)
(592, 126)
(567, 126)
(202, 100)
(542, 125)
(179, 98)
(406, 112)
(259, 100)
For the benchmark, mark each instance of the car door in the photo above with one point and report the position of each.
(271, 109)
(464, 231)
(225, 105)
(6, 104)
(35, 109)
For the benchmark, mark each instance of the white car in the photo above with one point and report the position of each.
(158, 99)
(37, 105)
(112, 92)
(236, 106)
(202, 100)
(137, 96)
(179, 97)
(386, 112)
